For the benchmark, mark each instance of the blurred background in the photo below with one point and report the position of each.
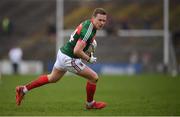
(140, 36)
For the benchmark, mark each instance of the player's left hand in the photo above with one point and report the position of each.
(92, 59)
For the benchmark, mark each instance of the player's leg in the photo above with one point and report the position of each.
(92, 79)
(54, 76)
(57, 73)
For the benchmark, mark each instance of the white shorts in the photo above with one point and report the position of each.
(68, 64)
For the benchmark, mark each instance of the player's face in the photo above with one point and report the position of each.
(100, 21)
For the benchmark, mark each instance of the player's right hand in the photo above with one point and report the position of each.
(92, 59)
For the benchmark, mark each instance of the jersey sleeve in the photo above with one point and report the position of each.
(86, 32)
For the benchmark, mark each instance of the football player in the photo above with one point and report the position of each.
(69, 58)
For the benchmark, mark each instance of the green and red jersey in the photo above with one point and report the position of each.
(86, 32)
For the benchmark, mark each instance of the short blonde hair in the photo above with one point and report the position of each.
(99, 11)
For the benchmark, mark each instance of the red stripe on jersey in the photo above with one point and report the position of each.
(79, 28)
(82, 41)
(93, 38)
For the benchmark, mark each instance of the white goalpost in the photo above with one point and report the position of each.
(170, 63)
(0, 78)
(166, 33)
(59, 24)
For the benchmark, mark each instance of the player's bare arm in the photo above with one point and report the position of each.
(78, 50)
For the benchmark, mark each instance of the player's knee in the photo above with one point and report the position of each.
(95, 78)
(52, 79)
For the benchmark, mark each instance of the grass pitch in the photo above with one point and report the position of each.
(138, 95)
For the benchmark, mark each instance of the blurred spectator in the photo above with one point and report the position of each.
(7, 26)
(125, 23)
(147, 23)
(176, 44)
(176, 37)
(51, 29)
(133, 59)
(15, 56)
(146, 58)
(51, 26)
(0, 26)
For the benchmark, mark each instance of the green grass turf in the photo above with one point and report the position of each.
(125, 95)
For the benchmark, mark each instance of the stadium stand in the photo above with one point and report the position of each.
(30, 20)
